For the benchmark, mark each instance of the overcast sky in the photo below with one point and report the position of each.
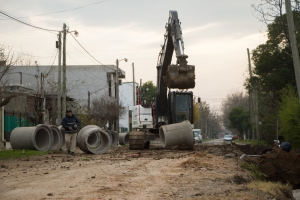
(216, 36)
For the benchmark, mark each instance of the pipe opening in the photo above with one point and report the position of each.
(42, 139)
(94, 139)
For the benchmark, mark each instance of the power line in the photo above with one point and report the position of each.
(63, 10)
(51, 66)
(26, 23)
(22, 37)
(90, 54)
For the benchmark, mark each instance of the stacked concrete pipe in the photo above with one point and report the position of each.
(93, 139)
(176, 134)
(38, 138)
(124, 138)
(57, 137)
(114, 138)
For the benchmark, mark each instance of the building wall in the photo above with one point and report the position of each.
(80, 79)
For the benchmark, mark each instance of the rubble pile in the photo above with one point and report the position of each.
(280, 165)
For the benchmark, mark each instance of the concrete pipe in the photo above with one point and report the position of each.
(93, 139)
(38, 138)
(176, 134)
(114, 138)
(124, 138)
(57, 137)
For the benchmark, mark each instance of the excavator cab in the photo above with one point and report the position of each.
(181, 75)
(180, 107)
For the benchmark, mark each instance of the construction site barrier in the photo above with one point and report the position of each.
(124, 138)
(176, 134)
(93, 139)
(57, 137)
(114, 138)
(38, 138)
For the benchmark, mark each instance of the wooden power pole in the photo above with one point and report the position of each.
(64, 87)
(59, 81)
(117, 96)
(89, 101)
(133, 86)
(254, 97)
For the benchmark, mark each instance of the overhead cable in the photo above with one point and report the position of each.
(26, 23)
(63, 10)
(90, 54)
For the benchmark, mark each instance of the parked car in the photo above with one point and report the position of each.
(235, 137)
(227, 138)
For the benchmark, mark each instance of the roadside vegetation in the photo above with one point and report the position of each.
(271, 90)
(279, 190)
(11, 154)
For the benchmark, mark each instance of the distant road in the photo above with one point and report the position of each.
(214, 141)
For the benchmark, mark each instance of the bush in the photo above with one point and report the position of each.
(289, 116)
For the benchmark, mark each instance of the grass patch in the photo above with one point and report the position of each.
(279, 190)
(255, 170)
(10, 154)
(251, 142)
(85, 159)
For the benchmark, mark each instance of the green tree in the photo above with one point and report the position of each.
(239, 119)
(196, 116)
(148, 91)
(273, 67)
(289, 117)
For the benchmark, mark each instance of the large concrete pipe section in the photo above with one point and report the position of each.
(176, 134)
(57, 137)
(93, 139)
(114, 138)
(124, 138)
(38, 138)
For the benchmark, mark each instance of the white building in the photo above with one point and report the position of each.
(126, 97)
(81, 79)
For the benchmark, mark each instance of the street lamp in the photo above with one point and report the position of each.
(117, 92)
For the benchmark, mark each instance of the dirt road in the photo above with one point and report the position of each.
(204, 173)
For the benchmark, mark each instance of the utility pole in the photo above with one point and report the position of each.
(64, 87)
(117, 95)
(250, 95)
(42, 85)
(20, 78)
(254, 97)
(89, 101)
(293, 43)
(133, 85)
(59, 80)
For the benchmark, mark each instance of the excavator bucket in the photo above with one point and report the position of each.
(181, 76)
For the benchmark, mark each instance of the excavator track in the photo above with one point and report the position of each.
(136, 140)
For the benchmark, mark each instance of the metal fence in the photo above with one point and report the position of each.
(13, 120)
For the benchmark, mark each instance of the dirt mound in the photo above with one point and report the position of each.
(237, 149)
(280, 165)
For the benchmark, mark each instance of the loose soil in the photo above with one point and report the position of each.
(279, 165)
(208, 172)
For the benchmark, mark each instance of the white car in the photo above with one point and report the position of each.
(197, 135)
(227, 138)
